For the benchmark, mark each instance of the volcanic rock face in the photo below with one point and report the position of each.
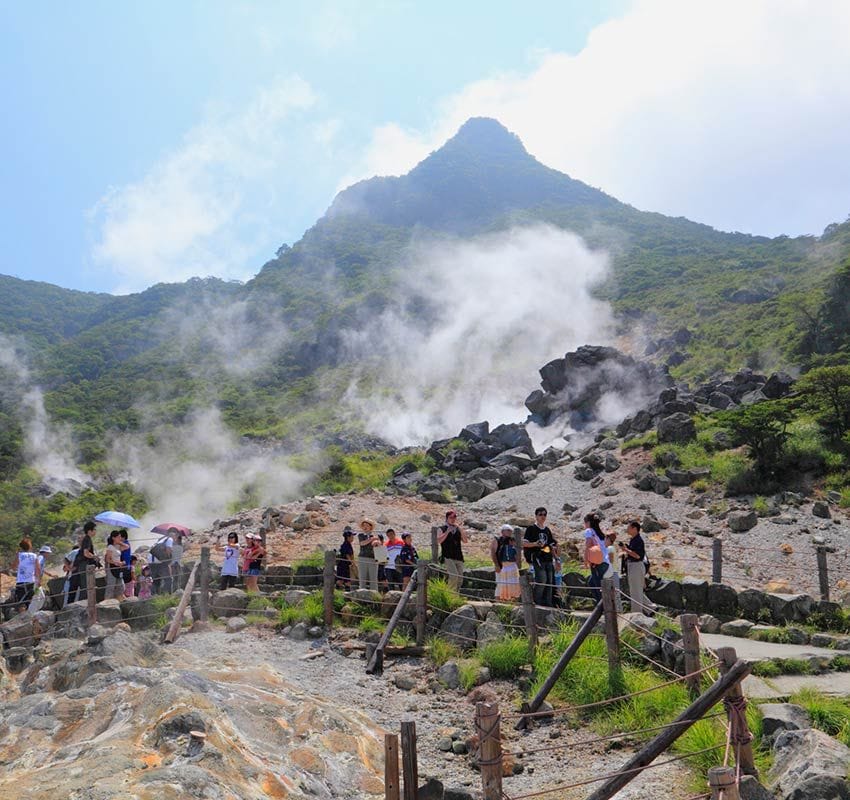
(574, 386)
(114, 720)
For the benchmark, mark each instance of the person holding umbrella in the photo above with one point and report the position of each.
(160, 558)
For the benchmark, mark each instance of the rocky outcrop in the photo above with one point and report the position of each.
(809, 765)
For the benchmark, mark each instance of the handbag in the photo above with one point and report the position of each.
(593, 554)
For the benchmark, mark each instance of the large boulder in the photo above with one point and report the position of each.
(778, 385)
(73, 619)
(751, 601)
(109, 613)
(667, 593)
(491, 630)
(809, 765)
(461, 628)
(229, 603)
(742, 521)
(18, 631)
(722, 600)
(678, 428)
(778, 717)
(139, 614)
(695, 594)
(789, 607)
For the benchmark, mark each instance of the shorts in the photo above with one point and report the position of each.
(253, 571)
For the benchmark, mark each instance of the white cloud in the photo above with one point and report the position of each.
(729, 113)
(199, 210)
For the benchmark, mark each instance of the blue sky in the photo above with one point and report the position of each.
(158, 140)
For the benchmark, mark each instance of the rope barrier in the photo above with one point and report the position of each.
(608, 701)
(617, 774)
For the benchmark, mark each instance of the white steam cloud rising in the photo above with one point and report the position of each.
(505, 303)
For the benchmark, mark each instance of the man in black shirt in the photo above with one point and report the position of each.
(449, 538)
(539, 546)
(635, 553)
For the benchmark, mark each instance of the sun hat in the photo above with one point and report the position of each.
(507, 527)
(367, 521)
(45, 548)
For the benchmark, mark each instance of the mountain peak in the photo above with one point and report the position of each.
(485, 134)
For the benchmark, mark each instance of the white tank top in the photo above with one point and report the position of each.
(26, 567)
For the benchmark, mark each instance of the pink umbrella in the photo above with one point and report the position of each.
(165, 527)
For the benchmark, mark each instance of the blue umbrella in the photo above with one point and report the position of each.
(118, 519)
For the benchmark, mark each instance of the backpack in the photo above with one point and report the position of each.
(160, 551)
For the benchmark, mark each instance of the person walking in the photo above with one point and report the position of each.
(367, 566)
(450, 538)
(595, 552)
(503, 552)
(160, 560)
(344, 560)
(230, 567)
(634, 552)
(114, 568)
(85, 557)
(407, 558)
(393, 545)
(539, 546)
(27, 573)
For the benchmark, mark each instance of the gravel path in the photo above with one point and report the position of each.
(342, 679)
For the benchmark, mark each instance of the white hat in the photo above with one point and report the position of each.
(507, 527)
(45, 548)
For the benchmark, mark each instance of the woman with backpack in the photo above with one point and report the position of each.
(595, 551)
(503, 552)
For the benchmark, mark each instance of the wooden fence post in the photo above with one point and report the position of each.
(612, 634)
(91, 594)
(409, 761)
(519, 535)
(489, 749)
(736, 706)
(204, 604)
(721, 780)
(435, 545)
(823, 576)
(717, 560)
(391, 782)
(528, 612)
(654, 748)
(421, 600)
(375, 664)
(566, 657)
(328, 579)
(690, 643)
(174, 629)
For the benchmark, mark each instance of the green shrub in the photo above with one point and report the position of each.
(648, 440)
(160, 602)
(369, 624)
(766, 669)
(440, 651)
(829, 714)
(505, 657)
(442, 596)
(468, 669)
(761, 506)
(258, 603)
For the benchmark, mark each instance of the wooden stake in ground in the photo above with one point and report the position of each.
(391, 782)
(328, 578)
(435, 545)
(487, 726)
(204, 600)
(612, 633)
(717, 560)
(721, 780)
(736, 706)
(421, 600)
(174, 629)
(690, 643)
(91, 594)
(527, 596)
(823, 575)
(376, 662)
(409, 760)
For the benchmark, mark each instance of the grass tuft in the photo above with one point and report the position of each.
(505, 657)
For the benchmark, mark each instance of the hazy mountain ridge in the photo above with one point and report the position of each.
(176, 345)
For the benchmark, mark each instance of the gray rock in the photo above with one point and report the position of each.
(809, 765)
(460, 628)
(294, 597)
(778, 385)
(750, 789)
(789, 607)
(298, 631)
(405, 682)
(18, 631)
(300, 522)
(459, 748)
(778, 717)
(823, 640)
(96, 634)
(139, 614)
(736, 627)
(229, 603)
(720, 400)
(667, 593)
(722, 600)
(677, 428)
(611, 464)
(650, 524)
(449, 675)
(236, 624)
(584, 472)
(695, 594)
(709, 624)
(491, 630)
(678, 477)
(821, 509)
(742, 521)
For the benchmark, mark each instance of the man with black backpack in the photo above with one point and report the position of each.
(161, 563)
(539, 546)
